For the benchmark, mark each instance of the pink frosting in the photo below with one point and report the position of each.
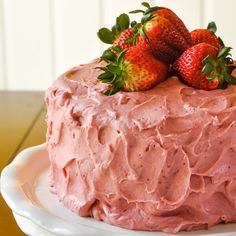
(163, 159)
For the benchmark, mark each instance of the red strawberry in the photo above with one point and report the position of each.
(206, 36)
(125, 40)
(135, 69)
(121, 39)
(119, 34)
(203, 66)
(165, 32)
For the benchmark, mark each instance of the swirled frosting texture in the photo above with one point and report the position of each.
(163, 159)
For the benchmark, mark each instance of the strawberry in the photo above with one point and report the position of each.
(135, 69)
(203, 66)
(207, 36)
(121, 39)
(165, 32)
(119, 33)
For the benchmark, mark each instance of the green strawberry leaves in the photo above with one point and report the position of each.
(133, 24)
(212, 27)
(106, 35)
(112, 72)
(152, 9)
(208, 67)
(146, 4)
(220, 68)
(115, 69)
(230, 79)
(122, 22)
(106, 76)
(120, 57)
(108, 55)
(149, 9)
(113, 90)
(146, 17)
(224, 52)
(109, 36)
(136, 11)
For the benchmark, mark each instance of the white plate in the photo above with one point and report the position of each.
(25, 188)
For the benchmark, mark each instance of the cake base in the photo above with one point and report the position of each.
(51, 215)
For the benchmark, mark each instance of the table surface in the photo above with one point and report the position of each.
(22, 124)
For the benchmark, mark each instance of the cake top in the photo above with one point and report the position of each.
(177, 98)
(144, 54)
(140, 60)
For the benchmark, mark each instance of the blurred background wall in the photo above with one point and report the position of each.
(39, 39)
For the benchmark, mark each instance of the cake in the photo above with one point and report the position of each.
(161, 159)
(144, 137)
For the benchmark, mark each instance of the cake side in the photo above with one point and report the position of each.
(162, 159)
